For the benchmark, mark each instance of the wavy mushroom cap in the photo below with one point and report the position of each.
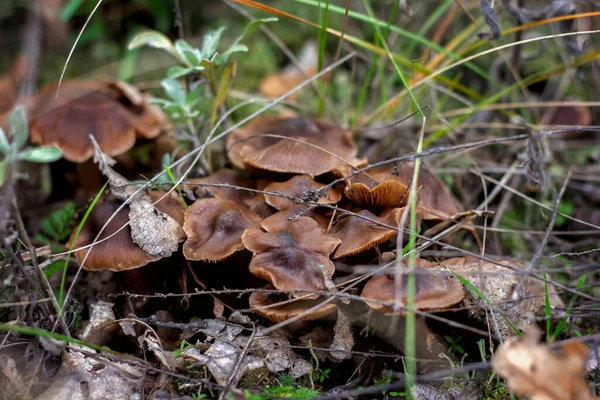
(435, 199)
(201, 187)
(119, 253)
(267, 306)
(308, 153)
(360, 233)
(379, 189)
(433, 291)
(296, 187)
(114, 113)
(293, 258)
(214, 228)
(281, 219)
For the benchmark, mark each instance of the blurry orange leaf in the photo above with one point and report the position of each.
(531, 369)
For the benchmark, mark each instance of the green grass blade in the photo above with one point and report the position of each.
(174, 180)
(563, 321)
(429, 23)
(85, 217)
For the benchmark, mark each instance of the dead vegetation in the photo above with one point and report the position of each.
(399, 211)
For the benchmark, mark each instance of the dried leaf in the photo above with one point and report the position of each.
(343, 338)
(532, 369)
(157, 233)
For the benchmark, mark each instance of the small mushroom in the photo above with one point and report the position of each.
(434, 290)
(114, 113)
(201, 187)
(296, 187)
(293, 258)
(279, 220)
(214, 228)
(119, 253)
(359, 234)
(318, 146)
(267, 306)
(380, 189)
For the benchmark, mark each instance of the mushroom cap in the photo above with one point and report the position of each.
(279, 220)
(380, 189)
(214, 228)
(222, 176)
(265, 306)
(170, 205)
(358, 235)
(435, 199)
(247, 147)
(433, 291)
(119, 253)
(293, 258)
(296, 187)
(108, 111)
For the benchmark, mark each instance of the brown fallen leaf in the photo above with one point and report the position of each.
(532, 369)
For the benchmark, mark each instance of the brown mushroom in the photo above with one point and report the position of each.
(279, 220)
(293, 258)
(434, 290)
(171, 205)
(201, 187)
(360, 234)
(267, 306)
(377, 188)
(119, 253)
(316, 146)
(114, 113)
(214, 228)
(296, 187)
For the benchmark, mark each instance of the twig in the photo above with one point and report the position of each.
(516, 295)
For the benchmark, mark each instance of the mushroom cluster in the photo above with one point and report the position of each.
(295, 205)
(291, 210)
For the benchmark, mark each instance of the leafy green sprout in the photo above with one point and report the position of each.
(13, 151)
(322, 374)
(454, 346)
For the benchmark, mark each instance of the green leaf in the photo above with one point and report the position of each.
(174, 90)
(153, 39)
(177, 71)
(236, 46)
(3, 165)
(224, 84)
(190, 55)
(4, 145)
(211, 42)
(19, 127)
(40, 154)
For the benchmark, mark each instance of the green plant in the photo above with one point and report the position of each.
(454, 346)
(321, 374)
(12, 151)
(184, 345)
(187, 104)
(283, 391)
(198, 396)
(58, 225)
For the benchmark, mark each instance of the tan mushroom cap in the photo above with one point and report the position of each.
(434, 290)
(293, 258)
(214, 228)
(307, 153)
(358, 234)
(114, 113)
(379, 189)
(171, 205)
(265, 306)
(435, 199)
(223, 176)
(119, 253)
(296, 187)
(279, 220)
